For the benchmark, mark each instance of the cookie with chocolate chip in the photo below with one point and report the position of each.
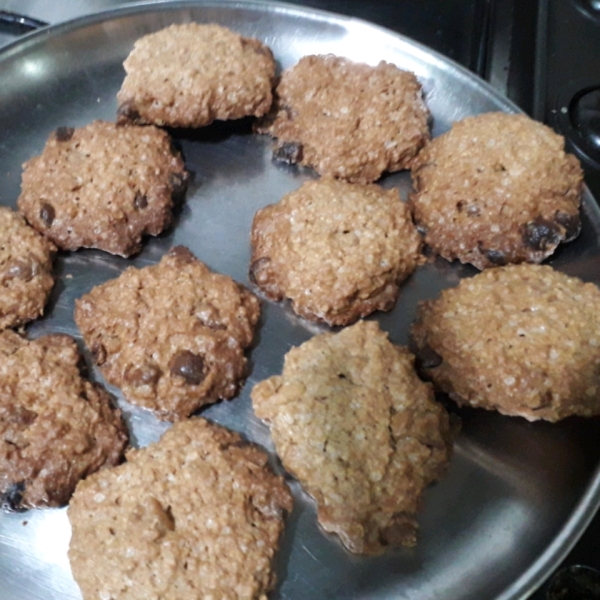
(348, 120)
(172, 335)
(56, 427)
(497, 189)
(363, 434)
(25, 270)
(522, 339)
(103, 186)
(198, 514)
(338, 250)
(190, 74)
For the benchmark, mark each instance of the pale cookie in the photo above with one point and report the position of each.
(189, 75)
(362, 433)
(197, 515)
(348, 120)
(103, 186)
(497, 189)
(171, 335)
(338, 250)
(55, 426)
(25, 270)
(523, 340)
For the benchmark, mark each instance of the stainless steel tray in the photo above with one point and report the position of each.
(517, 495)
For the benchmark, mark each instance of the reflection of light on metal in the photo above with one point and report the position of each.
(51, 533)
(38, 542)
(33, 68)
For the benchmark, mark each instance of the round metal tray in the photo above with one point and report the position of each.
(517, 495)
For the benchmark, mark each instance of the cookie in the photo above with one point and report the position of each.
(362, 433)
(497, 189)
(103, 186)
(338, 250)
(55, 426)
(348, 120)
(25, 270)
(198, 514)
(189, 75)
(171, 335)
(522, 339)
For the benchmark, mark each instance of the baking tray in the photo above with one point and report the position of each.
(517, 495)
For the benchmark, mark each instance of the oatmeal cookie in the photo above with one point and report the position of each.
(338, 250)
(103, 186)
(189, 75)
(55, 426)
(522, 339)
(362, 433)
(25, 270)
(198, 515)
(497, 189)
(171, 335)
(348, 120)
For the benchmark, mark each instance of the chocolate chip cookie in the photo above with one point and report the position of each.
(171, 335)
(25, 270)
(55, 426)
(198, 514)
(188, 75)
(497, 189)
(348, 120)
(103, 186)
(338, 250)
(362, 433)
(522, 339)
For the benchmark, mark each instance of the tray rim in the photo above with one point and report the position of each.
(589, 503)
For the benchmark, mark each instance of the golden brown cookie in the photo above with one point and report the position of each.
(55, 426)
(497, 189)
(348, 120)
(522, 339)
(103, 186)
(362, 433)
(191, 74)
(25, 270)
(171, 335)
(338, 250)
(198, 514)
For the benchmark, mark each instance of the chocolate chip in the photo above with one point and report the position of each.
(178, 183)
(256, 47)
(21, 269)
(188, 365)
(128, 112)
(175, 147)
(290, 113)
(99, 353)
(402, 530)
(182, 254)
(140, 201)
(571, 223)
(146, 374)
(422, 228)
(496, 257)
(47, 214)
(258, 270)
(21, 416)
(64, 134)
(541, 234)
(289, 153)
(13, 496)
(427, 358)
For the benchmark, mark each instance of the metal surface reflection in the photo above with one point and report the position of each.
(517, 495)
